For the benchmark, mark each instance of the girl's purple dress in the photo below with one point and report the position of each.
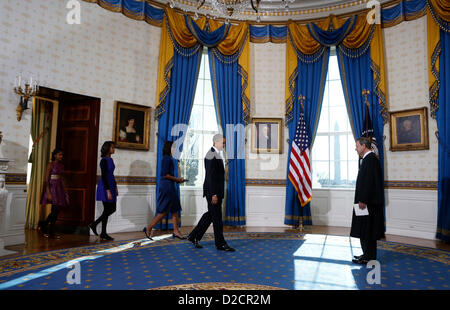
(59, 197)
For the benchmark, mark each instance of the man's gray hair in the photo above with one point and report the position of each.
(365, 141)
(217, 138)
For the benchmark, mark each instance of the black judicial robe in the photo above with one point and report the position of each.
(369, 190)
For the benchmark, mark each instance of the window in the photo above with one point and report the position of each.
(202, 127)
(334, 159)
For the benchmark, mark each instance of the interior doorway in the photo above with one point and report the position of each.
(76, 133)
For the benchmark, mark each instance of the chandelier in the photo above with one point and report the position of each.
(231, 8)
(234, 8)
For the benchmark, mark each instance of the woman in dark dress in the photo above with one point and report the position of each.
(128, 133)
(168, 199)
(106, 190)
(54, 193)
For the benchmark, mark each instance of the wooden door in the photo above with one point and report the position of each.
(78, 127)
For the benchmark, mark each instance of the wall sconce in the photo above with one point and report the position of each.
(29, 90)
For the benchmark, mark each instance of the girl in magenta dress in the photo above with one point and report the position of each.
(54, 193)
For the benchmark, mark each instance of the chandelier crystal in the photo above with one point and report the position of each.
(230, 8)
(235, 9)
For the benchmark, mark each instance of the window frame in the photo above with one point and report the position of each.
(331, 134)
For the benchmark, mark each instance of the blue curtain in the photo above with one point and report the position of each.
(404, 10)
(226, 81)
(136, 9)
(309, 83)
(268, 33)
(177, 110)
(442, 116)
(332, 37)
(205, 37)
(357, 75)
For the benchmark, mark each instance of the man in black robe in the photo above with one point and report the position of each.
(368, 194)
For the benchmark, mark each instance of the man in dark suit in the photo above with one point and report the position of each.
(213, 190)
(368, 194)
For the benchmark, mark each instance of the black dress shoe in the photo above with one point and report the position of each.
(360, 261)
(195, 243)
(226, 248)
(357, 256)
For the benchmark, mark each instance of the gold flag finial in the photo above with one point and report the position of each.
(301, 98)
(364, 93)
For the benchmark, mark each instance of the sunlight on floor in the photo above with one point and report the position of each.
(325, 262)
(69, 264)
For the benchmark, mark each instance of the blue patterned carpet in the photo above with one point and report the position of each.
(262, 261)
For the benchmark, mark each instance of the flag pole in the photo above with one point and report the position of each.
(300, 224)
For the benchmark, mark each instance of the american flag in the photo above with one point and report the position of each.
(299, 164)
(368, 131)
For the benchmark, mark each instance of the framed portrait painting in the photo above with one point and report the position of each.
(267, 135)
(409, 130)
(131, 126)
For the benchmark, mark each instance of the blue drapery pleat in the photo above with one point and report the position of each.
(207, 38)
(310, 83)
(268, 33)
(442, 118)
(178, 108)
(332, 37)
(136, 9)
(402, 11)
(357, 75)
(226, 81)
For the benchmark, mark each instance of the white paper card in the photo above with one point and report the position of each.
(359, 212)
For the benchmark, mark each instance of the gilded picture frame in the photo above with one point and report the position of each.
(267, 135)
(409, 130)
(131, 128)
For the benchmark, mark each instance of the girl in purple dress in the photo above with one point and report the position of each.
(106, 189)
(54, 193)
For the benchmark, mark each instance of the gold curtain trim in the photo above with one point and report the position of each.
(298, 217)
(440, 9)
(234, 218)
(290, 100)
(434, 51)
(165, 64)
(302, 40)
(443, 231)
(268, 39)
(179, 30)
(236, 38)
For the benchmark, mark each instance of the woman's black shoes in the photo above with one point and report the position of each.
(93, 228)
(106, 237)
(181, 238)
(145, 232)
